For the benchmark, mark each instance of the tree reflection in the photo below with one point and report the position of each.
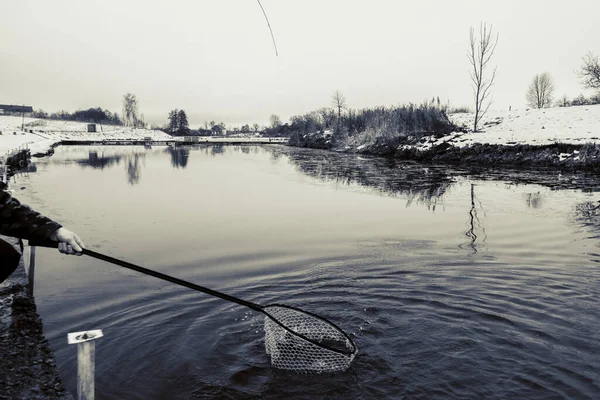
(133, 166)
(97, 161)
(133, 170)
(179, 156)
(474, 223)
(533, 200)
(419, 184)
(217, 149)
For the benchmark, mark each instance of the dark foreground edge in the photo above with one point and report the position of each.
(27, 364)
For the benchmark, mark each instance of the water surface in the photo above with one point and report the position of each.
(453, 283)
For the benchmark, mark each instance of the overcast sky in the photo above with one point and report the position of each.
(216, 59)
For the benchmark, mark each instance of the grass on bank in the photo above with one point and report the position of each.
(376, 126)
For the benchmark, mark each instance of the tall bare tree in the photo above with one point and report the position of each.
(480, 52)
(130, 110)
(339, 103)
(590, 72)
(540, 93)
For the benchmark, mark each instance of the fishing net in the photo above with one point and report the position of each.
(295, 340)
(303, 342)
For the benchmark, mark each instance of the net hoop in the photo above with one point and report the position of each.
(350, 353)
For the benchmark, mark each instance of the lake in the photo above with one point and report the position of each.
(453, 283)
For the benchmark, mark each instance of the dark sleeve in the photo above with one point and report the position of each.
(20, 221)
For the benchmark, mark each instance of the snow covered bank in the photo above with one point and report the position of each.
(574, 125)
(566, 137)
(39, 135)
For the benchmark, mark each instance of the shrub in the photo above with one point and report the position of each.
(458, 110)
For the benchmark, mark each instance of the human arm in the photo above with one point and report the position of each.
(20, 221)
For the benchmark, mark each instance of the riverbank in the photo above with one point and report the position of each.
(41, 135)
(28, 368)
(561, 137)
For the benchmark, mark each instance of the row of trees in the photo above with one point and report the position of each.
(540, 93)
(130, 116)
(95, 115)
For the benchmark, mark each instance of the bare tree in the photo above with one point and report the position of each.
(275, 121)
(130, 110)
(339, 103)
(480, 52)
(590, 72)
(540, 93)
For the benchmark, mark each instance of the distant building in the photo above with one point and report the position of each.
(219, 130)
(6, 108)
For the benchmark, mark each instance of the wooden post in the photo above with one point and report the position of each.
(86, 357)
(31, 270)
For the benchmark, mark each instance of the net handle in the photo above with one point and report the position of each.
(181, 282)
(156, 274)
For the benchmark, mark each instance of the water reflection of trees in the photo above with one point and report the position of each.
(474, 223)
(419, 184)
(217, 149)
(99, 160)
(133, 169)
(533, 200)
(179, 156)
(133, 163)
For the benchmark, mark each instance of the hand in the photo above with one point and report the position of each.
(68, 242)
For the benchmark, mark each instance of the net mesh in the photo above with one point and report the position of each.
(290, 351)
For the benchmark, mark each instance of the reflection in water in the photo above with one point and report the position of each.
(420, 184)
(133, 170)
(587, 214)
(179, 156)
(217, 149)
(99, 161)
(474, 222)
(533, 200)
